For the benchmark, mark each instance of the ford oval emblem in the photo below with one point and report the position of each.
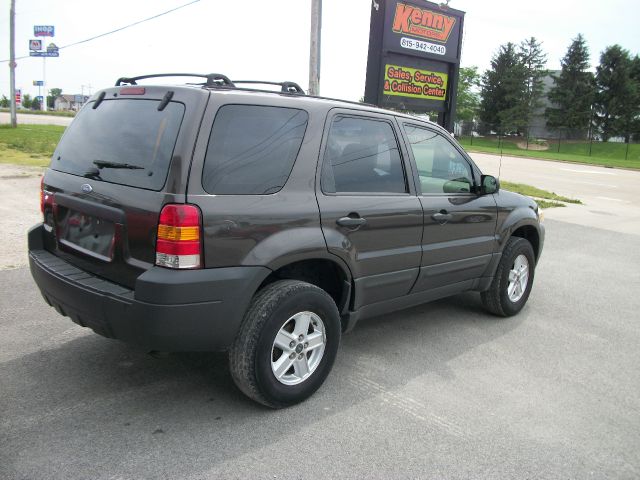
(86, 188)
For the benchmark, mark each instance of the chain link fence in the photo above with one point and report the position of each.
(548, 142)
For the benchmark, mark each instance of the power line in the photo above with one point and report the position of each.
(116, 30)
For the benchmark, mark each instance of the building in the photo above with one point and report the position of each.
(69, 102)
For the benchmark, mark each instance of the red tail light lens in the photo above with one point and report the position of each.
(46, 198)
(42, 195)
(179, 244)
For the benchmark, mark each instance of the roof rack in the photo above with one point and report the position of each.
(216, 80)
(285, 87)
(213, 79)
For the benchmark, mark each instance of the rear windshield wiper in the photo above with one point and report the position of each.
(105, 164)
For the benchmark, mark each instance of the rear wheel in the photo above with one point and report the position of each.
(513, 280)
(287, 343)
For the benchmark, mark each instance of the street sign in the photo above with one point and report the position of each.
(78, 98)
(38, 83)
(43, 30)
(54, 53)
(35, 44)
(18, 96)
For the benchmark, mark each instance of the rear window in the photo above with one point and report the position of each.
(252, 149)
(128, 142)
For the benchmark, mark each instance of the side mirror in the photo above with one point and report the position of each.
(488, 185)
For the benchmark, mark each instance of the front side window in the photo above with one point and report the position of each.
(362, 157)
(252, 149)
(442, 169)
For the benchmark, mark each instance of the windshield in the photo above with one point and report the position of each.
(122, 141)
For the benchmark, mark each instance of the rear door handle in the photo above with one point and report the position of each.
(442, 217)
(352, 221)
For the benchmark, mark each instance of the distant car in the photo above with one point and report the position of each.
(221, 217)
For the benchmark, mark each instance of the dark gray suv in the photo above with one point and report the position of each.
(219, 216)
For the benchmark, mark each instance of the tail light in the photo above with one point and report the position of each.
(179, 244)
(46, 198)
(42, 195)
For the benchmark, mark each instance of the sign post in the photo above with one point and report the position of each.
(414, 57)
(12, 63)
(39, 84)
(35, 47)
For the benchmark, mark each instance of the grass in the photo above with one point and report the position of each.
(544, 198)
(30, 145)
(55, 113)
(547, 204)
(535, 192)
(607, 154)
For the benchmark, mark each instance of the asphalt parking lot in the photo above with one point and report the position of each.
(438, 391)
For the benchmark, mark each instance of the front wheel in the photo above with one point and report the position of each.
(287, 343)
(513, 280)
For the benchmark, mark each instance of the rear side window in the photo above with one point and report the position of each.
(252, 149)
(128, 142)
(362, 157)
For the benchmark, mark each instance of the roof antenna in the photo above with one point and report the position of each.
(500, 165)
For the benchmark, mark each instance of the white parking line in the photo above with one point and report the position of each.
(613, 199)
(596, 184)
(596, 172)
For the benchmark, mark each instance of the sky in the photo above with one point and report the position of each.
(262, 40)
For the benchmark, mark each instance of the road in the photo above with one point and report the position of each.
(36, 119)
(608, 195)
(438, 391)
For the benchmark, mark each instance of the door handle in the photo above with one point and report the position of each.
(442, 217)
(352, 221)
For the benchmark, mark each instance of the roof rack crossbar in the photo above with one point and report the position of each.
(213, 79)
(285, 87)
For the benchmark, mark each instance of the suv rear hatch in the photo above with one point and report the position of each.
(124, 157)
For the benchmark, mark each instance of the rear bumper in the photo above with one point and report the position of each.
(195, 310)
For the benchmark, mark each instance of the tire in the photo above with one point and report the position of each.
(281, 310)
(504, 298)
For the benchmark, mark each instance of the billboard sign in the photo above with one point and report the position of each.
(44, 30)
(420, 29)
(18, 97)
(38, 83)
(35, 44)
(414, 57)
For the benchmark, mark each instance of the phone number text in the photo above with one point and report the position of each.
(423, 46)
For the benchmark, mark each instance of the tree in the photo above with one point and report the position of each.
(635, 77)
(617, 97)
(4, 102)
(35, 104)
(573, 90)
(26, 100)
(503, 89)
(53, 94)
(512, 88)
(468, 99)
(534, 61)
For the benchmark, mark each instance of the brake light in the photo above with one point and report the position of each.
(132, 91)
(46, 197)
(178, 244)
(42, 195)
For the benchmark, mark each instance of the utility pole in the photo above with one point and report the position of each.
(314, 54)
(12, 62)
